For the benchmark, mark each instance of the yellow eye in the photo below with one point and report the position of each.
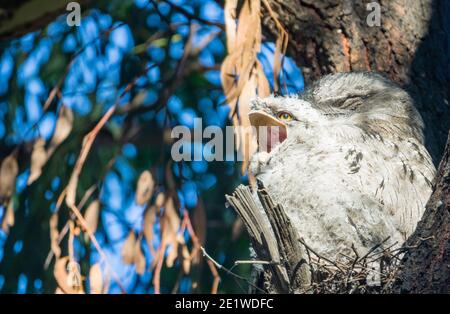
(285, 116)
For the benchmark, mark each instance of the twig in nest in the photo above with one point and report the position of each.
(320, 256)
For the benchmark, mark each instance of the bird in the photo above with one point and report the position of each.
(346, 158)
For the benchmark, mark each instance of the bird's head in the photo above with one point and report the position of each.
(275, 118)
(366, 101)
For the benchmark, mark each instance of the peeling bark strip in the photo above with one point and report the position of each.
(288, 271)
(426, 265)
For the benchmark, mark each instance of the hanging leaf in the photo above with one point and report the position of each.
(171, 215)
(242, 75)
(228, 78)
(8, 219)
(263, 83)
(139, 258)
(240, 63)
(96, 279)
(248, 139)
(230, 23)
(62, 129)
(186, 256)
(173, 249)
(67, 276)
(106, 282)
(149, 221)
(160, 199)
(54, 235)
(249, 24)
(280, 45)
(171, 225)
(129, 248)
(145, 186)
(71, 190)
(38, 160)
(74, 280)
(8, 173)
(92, 215)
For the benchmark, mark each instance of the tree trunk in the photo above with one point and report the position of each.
(425, 267)
(410, 47)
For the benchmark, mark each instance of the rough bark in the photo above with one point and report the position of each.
(410, 47)
(426, 266)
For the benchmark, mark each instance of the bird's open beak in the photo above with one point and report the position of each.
(270, 131)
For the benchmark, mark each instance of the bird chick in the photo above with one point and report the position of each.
(346, 159)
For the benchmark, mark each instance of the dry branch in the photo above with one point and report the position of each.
(279, 244)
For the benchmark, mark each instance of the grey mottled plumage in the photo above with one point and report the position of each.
(353, 169)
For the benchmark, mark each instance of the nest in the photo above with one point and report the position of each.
(374, 272)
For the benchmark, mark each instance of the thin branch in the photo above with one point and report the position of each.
(228, 271)
(191, 16)
(196, 247)
(65, 229)
(102, 254)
